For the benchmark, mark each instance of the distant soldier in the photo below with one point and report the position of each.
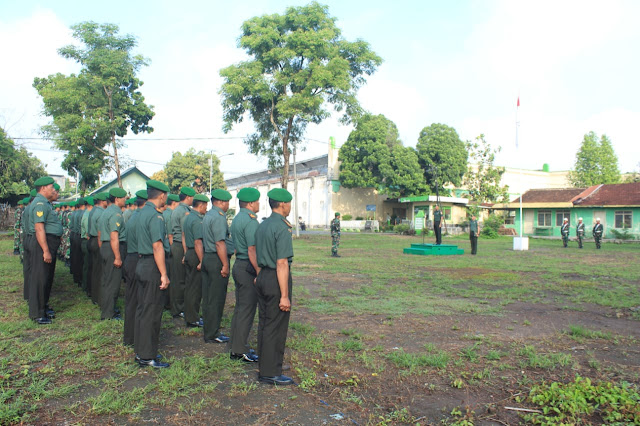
(27, 243)
(564, 231)
(177, 270)
(100, 204)
(580, 232)
(335, 235)
(192, 239)
(473, 234)
(437, 224)
(86, 256)
(16, 228)
(598, 230)
(76, 257)
(129, 270)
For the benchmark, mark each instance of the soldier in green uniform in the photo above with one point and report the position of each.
(564, 231)
(113, 235)
(25, 204)
(129, 270)
(335, 235)
(152, 279)
(176, 291)
(47, 229)
(274, 247)
(100, 203)
(245, 271)
(172, 202)
(27, 243)
(50, 312)
(192, 239)
(86, 256)
(598, 230)
(473, 234)
(17, 215)
(437, 224)
(76, 242)
(580, 232)
(130, 207)
(215, 266)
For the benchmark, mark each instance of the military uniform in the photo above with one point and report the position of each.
(94, 249)
(84, 245)
(564, 231)
(111, 221)
(76, 244)
(473, 235)
(335, 235)
(192, 229)
(27, 245)
(16, 228)
(580, 233)
(129, 274)
(176, 290)
(437, 220)
(598, 230)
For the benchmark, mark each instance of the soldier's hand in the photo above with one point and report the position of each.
(285, 304)
(225, 271)
(183, 260)
(199, 267)
(164, 282)
(117, 263)
(47, 257)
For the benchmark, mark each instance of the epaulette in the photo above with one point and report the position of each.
(287, 222)
(252, 216)
(220, 213)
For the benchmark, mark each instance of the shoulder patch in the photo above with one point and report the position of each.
(117, 224)
(287, 223)
(187, 213)
(39, 214)
(220, 213)
(252, 216)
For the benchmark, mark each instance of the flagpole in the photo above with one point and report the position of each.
(518, 125)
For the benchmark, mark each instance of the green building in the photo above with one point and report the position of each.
(132, 179)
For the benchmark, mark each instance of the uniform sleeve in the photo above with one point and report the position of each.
(115, 223)
(250, 233)
(39, 213)
(284, 243)
(157, 229)
(220, 229)
(196, 228)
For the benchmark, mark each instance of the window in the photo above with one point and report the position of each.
(623, 219)
(447, 213)
(544, 218)
(560, 215)
(510, 218)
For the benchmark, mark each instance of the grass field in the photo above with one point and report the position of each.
(377, 337)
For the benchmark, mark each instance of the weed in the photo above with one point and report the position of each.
(307, 379)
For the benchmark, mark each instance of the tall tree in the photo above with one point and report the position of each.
(299, 63)
(483, 179)
(192, 169)
(92, 109)
(443, 155)
(596, 162)
(18, 168)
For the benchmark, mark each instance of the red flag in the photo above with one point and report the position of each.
(518, 100)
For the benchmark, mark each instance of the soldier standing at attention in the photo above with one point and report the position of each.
(172, 203)
(27, 243)
(100, 203)
(25, 204)
(437, 224)
(598, 230)
(192, 239)
(335, 235)
(176, 292)
(564, 231)
(274, 247)
(245, 271)
(473, 234)
(76, 242)
(580, 232)
(152, 279)
(17, 215)
(113, 235)
(129, 270)
(215, 266)
(86, 255)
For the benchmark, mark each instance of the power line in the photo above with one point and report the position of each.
(170, 139)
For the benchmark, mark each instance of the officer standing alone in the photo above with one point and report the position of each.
(335, 235)
(437, 224)
(473, 234)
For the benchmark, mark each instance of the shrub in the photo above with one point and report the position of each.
(359, 218)
(491, 226)
(401, 229)
(346, 217)
(622, 235)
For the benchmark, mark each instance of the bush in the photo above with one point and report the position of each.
(622, 235)
(359, 218)
(346, 217)
(401, 229)
(491, 226)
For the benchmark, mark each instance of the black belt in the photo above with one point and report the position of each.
(132, 254)
(145, 256)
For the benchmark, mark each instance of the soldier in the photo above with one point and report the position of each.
(176, 292)
(152, 279)
(172, 202)
(50, 312)
(86, 256)
(437, 224)
(192, 239)
(580, 232)
(130, 207)
(335, 235)
(215, 266)
(17, 215)
(27, 243)
(129, 270)
(76, 242)
(100, 203)
(564, 231)
(113, 250)
(598, 230)
(274, 247)
(65, 243)
(473, 234)
(245, 271)
(25, 204)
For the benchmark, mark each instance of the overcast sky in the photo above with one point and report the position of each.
(574, 66)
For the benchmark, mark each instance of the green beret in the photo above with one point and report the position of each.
(90, 201)
(337, 214)
(33, 193)
(44, 181)
(117, 192)
(201, 197)
(56, 187)
(155, 184)
(127, 201)
(280, 194)
(221, 194)
(26, 200)
(19, 202)
(73, 203)
(248, 195)
(80, 202)
(173, 197)
(142, 194)
(189, 192)
(101, 196)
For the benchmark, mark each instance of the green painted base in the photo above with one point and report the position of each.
(432, 249)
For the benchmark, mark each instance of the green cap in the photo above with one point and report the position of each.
(56, 187)
(155, 184)
(173, 197)
(80, 202)
(142, 194)
(248, 195)
(117, 193)
(221, 194)
(19, 202)
(26, 200)
(337, 214)
(90, 201)
(201, 197)
(44, 181)
(128, 201)
(73, 204)
(189, 192)
(280, 194)
(101, 196)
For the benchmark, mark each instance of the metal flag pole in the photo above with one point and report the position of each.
(518, 125)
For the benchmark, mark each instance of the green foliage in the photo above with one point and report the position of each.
(577, 401)
(622, 235)
(596, 162)
(346, 217)
(491, 225)
(18, 169)
(483, 181)
(192, 169)
(441, 152)
(102, 102)
(401, 229)
(298, 62)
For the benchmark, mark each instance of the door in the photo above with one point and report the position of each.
(528, 222)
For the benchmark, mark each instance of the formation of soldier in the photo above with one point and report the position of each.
(597, 232)
(108, 239)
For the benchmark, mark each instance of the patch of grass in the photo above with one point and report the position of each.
(307, 379)
(402, 359)
(578, 332)
(351, 344)
(532, 359)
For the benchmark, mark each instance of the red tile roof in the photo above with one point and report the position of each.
(621, 194)
(562, 195)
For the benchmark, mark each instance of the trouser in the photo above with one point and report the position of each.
(51, 271)
(438, 232)
(176, 289)
(149, 308)
(565, 240)
(273, 323)
(245, 310)
(335, 243)
(39, 275)
(598, 239)
(214, 294)
(473, 237)
(130, 297)
(27, 246)
(16, 238)
(192, 287)
(111, 278)
(96, 269)
(76, 258)
(86, 266)
(579, 241)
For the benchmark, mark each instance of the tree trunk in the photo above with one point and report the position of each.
(286, 154)
(109, 94)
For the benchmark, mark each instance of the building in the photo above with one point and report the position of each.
(132, 179)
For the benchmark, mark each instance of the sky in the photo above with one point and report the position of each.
(573, 65)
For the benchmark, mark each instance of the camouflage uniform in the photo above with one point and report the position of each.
(564, 231)
(580, 233)
(17, 234)
(598, 229)
(63, 250)
(335, 236)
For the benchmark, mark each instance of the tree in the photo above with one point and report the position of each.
(299, 63)
(91, 109)
(442, 153)
(596, 162)
(18, 168)
(483, 181)
(192, 169)
(634, 176)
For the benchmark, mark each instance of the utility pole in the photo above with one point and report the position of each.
(295, 191)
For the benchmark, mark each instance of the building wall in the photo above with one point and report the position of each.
(131, 183)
